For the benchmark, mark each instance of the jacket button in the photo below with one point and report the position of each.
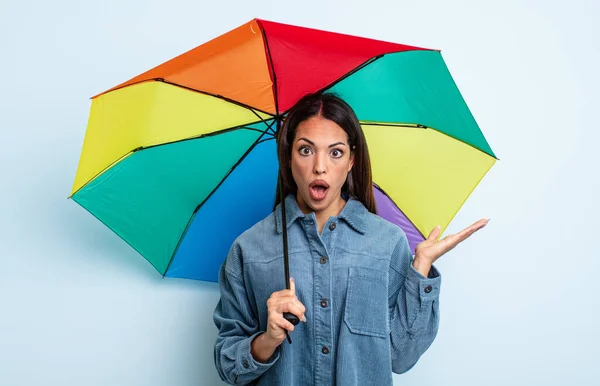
(428, 289)
(324, 303)
(332, 226)
(323, 260)
(246, 364)
(325, 350)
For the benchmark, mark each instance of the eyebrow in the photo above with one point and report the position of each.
(313, 144)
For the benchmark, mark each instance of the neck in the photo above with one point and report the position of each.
(322, 216)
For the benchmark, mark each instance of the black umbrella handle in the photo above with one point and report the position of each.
(291, 318)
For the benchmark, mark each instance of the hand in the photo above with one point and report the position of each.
(429, 250)
(278, 303)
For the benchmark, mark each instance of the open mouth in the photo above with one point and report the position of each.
(318, 189)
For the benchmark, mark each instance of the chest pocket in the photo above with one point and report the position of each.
(366, 310)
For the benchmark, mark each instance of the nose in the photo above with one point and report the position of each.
(320, 165)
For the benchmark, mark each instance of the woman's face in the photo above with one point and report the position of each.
(321, 160)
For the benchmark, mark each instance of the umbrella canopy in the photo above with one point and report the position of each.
(180, 160)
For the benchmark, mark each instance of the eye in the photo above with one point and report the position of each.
(305, 150)
(337, 153)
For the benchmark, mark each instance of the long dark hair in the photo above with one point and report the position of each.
(359, 183)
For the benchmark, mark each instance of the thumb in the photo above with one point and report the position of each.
(292, 285)
(435, 233)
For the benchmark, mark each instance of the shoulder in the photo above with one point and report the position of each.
(394, 240)
(259, 237)
(384, 225)
(260, 232)
(376, 236)
(378, 227)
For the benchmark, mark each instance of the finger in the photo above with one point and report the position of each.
(478, 224)
(298, 304)
(278, 322)
(302, 309)
(451, 241)
(282, 293)
(296, 301)
(472, 229)
(280, 297)
(284, 324)
(295, 307)
(288, 304)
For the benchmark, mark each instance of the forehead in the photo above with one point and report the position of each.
(321, 130)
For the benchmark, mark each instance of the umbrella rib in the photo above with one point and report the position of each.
(187, 226)
(359, 67)
(163, 80)
(241, 127)
(270, 128)
(216, 96)
(258, 140)
(420, 126)
(271, 131)
(410, 125)
(102, 171)
(259, 117)
(272, 72)
(463, 142)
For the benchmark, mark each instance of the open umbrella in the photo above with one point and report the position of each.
(181, 159)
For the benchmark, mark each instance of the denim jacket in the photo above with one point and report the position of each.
(369, 311)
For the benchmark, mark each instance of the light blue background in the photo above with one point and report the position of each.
(519, 299)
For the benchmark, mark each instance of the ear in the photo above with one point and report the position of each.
(351, 161)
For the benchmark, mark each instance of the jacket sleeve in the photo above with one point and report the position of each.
(237, 327)
(414, 308)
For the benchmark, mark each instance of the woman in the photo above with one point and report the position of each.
(367, 307)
